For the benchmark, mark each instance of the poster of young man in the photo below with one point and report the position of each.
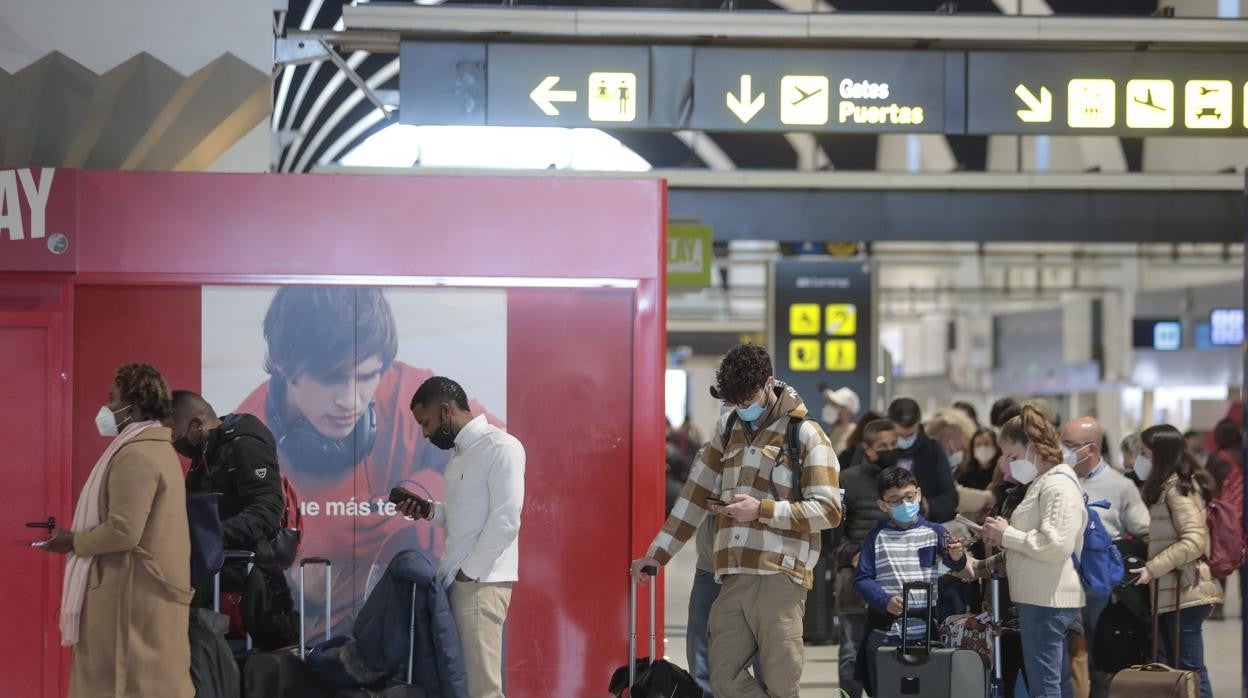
(331, 370)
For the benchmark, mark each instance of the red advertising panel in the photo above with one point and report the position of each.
(542, 297)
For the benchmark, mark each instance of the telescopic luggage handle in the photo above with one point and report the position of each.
(329, 603)
(906, 588)
(652, 572)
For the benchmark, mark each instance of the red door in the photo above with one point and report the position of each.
(31, 466)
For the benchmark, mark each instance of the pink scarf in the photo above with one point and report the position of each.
(86, 517)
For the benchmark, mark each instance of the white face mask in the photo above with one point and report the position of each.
(1143, 468)
(1024, 471)
(106, 422)
(1071, 455)
(831, 415)
(984, 454)
(955, 458)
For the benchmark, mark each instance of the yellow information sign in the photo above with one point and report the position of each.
(841, 319)
(804, 318)
(804, 355)
(1090, 103)
(804, 100)
(1150, 104)
(841, 355)
(612, 97)
(1208, 104)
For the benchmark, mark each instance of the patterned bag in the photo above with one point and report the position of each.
(969, 632)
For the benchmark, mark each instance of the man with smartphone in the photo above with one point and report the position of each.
(769, 514)
(484, 490)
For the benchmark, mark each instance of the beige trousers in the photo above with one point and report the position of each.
(763, 614)
(480, 610)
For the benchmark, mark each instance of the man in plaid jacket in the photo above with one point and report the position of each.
(766, 537)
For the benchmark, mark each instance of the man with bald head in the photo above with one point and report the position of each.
(1081, 445)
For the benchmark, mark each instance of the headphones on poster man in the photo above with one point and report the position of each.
(308, 449)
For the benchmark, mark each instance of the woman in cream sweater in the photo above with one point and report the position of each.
(1175, 490)
(1038, 541)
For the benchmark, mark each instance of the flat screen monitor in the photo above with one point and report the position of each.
(1226, 327)
(1160, 334)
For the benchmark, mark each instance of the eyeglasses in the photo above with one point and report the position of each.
(907, 499)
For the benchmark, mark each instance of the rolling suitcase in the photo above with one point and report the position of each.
(1157, 680)
(922, 670)
(649, 677)
(283, 673)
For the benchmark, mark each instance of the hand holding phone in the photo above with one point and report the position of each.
(412, 504)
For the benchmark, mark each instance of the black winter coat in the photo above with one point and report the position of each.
(931, 468)
(861, 484)
(239, 462)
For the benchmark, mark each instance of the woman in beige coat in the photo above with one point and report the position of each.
(125, 607)
(1176, 489)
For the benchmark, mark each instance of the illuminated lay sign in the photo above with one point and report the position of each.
(1120, 93)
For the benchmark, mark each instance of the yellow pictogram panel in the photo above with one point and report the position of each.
(1207, 104)
(1090, 103)
(841, 319)
(1150, 104)
(804, 318)
(841, 355)
(612, 96)
(804, 100)
(804, 355)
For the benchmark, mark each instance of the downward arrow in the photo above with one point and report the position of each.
(744, 107)
(544, 95)
(1038, 111)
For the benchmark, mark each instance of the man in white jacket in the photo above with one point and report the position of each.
(484, 489)
(1081, 447)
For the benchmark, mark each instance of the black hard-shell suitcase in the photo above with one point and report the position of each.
(819, 621)
(283, 673)
(649, 677)
(924, 670)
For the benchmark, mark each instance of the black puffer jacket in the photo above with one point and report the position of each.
(861, 484)
(927, 460)
(239, 462)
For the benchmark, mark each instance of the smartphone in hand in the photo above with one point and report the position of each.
(399, 495)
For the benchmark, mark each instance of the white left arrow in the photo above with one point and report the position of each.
(545, 95)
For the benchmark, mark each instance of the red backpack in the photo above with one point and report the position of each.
(1228, 547)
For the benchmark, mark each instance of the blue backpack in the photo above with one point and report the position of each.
(1099, 564)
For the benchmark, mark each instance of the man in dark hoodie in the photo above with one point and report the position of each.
(926, 459)
(861, 483)
(235, 457)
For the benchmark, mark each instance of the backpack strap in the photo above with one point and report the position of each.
(728, 427)
(793, 446)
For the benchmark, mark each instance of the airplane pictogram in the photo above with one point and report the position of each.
(804, 95)
(1148, 101)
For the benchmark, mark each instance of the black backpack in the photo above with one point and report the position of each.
(793, 448)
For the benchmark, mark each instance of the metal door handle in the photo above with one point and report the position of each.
(49, 524)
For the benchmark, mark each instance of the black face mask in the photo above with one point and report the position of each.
(886, 459)
(443, 438)
(184, 447)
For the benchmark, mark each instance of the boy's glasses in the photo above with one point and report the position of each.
(904, 499)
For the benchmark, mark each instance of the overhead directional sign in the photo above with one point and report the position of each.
(822, 90)
(530, 85)
(1116, 93)
(767, 89)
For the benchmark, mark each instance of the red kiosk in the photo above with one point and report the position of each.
(558, 283)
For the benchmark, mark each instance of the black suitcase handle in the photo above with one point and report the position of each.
(930, 590)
